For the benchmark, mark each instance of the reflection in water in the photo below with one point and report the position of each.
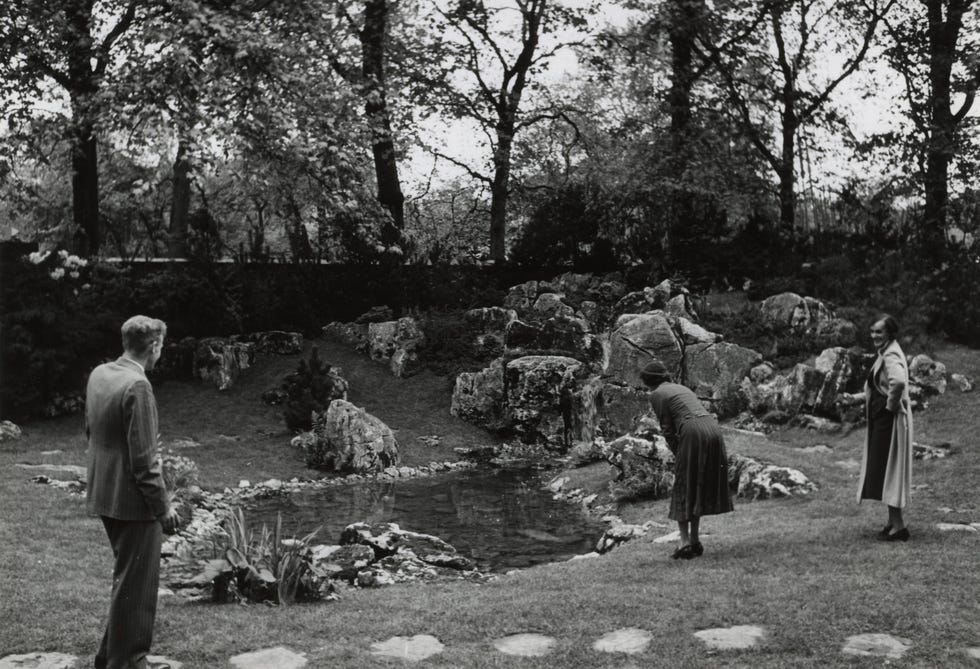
(501, 518)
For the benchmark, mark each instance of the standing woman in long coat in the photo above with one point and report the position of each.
(886, 469)
(700, 458)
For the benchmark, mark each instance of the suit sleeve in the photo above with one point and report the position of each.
(140, 414)
(897, 377)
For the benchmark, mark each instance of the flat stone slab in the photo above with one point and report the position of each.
(39, 661)
(850, 464)
(972, 653)
(269, 658)
(738, 637)
(956, 527)
(876, 645)
(668, 538)
(412, 648)
(77, 471)
(173, 664)
(525, 645)
(817, 448)
(629, 640)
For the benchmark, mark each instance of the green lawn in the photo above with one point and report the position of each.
(808, 570)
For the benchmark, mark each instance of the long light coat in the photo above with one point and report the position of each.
(890, 374)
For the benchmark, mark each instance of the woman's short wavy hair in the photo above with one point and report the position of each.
(139, 333)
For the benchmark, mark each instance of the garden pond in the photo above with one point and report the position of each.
(501, 518)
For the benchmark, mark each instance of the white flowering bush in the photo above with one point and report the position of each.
(64, 263)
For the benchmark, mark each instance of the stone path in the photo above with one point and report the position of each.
(525, 645)
(412, 648)
(738, 637)
(627, 641)
(876, 645)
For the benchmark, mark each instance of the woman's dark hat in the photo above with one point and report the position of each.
(654, 372)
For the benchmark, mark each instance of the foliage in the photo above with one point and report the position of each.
(312, 387)
(566, 228)
(264, 568)
(450, 344)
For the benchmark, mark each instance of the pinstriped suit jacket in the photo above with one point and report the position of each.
(125, 476)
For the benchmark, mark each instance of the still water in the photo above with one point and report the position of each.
(501, 518)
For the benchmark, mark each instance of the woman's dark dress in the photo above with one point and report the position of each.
(701, 461)
(881, 421)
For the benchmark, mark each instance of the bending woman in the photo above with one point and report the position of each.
(886, 469)
(701, 462)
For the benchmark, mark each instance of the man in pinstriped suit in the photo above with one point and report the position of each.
(126, 488)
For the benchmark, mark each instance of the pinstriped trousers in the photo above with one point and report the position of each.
(135, 581)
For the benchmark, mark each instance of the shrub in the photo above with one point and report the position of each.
(312, 387)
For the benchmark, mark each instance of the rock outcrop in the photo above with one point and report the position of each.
(348, 439)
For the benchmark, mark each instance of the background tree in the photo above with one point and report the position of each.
(484, 70)
(782, 72)
(59, 42)
(935, 46)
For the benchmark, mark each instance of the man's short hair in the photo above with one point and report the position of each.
(139, 333)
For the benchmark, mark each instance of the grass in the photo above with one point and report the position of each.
(805, 569)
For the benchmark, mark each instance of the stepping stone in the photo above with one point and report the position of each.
(413, 648)
(77, 471)
(525, 645)
(818, 448)
(628, 640)
(738, 637)
(973, 653)
(269, 658)
(955, 527)
(39, 661)
(668, 538)
(173, 664)
(850, 464)
(877, 645)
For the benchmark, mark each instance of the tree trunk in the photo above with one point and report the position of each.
(85, 188)
(180, 203)
(376, 108)
(940, 143)
(786, 169)
(500, 192)
(82, 87)
(682, 33)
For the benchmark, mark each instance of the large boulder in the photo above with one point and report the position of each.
(489, 325)
(478, 397)
(387, 539)
(350, 440)
(789, 312)
(221, 361)
(548, 305)
(539, 389)
(635, 339)
(521, 297)
(844, 372)
(646, 468)
(928, 374)
(9, 431)
(559, 335)
(751, 479)
(608, 410)
(787, 393)
(715, 372)
(277, 342)
(398, 343)
(352, 334)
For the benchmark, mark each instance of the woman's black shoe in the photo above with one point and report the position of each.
(901, 535)
(698, 549)
(684, 553)
(885, 531)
